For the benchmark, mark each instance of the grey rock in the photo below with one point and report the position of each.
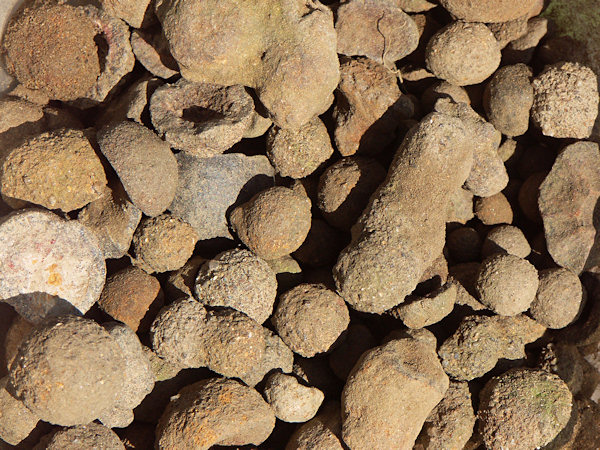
(210, 187)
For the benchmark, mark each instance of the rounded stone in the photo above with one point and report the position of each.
(506, 284)
(345, 188)
(163, 243)
(133, 297)
(65, 66)
(68, 371)
(523, 409)
(493, 210)
(508, 98)
(506, 239)
(92, 435)
(310, 318)
(201, 118)
(463, 53)
(488, 10)
(144, 163)
(298, 153)
(50, 265)
(273, 223)
(558, 301)
(240, 280)
(565, 101)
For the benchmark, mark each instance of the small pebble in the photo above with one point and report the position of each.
(310, 318)
(163, 243)
(558, 301)
(144, 164)
(273, 223)
(291, 401)
(494, 210)
(506, 239)
(240, 280)
(507, 284)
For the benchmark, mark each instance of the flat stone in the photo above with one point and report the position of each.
(210, 187)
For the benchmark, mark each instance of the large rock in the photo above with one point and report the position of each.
(285, 50)
(389, 394)
(49, 265)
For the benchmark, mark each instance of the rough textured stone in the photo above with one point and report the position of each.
(368, 106)
(389, 394)
(558, 301)
(200, 118)
(16, 421)
(523, 409)
(133, 297)
(113, 220)
(488, 10)
(92, 435)
(322, 432)
(51, 357)
(277, 356)
(345, 188)
(565, 101)
(273, 223)
(138, 378)
(163, 243)
(240, 280)
(50, 265)
(226, 341)
(508, 98)
(199, 417)
(396, 239)
(480, 341)
(41, 171)
(152, 51)
(506, 284)
(286, 51)
(144, 164)
(64, 67)
(134, 12)
(567, 202)
(506, 239)
(381, 31)
(209, 187)
(494, 210)
(419, 312)
(181, 282)
(291, 401)
(450, 424)
(310, 318)
(463, 53)
(298, 153)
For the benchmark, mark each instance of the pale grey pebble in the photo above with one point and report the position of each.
(292, 401)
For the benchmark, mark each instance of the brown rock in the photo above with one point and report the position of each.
(488, 10)
(144, 163)
(65, 67)
(298, 153)
(274, 223)
(381, 31)
(368, 106)
(559, 298)
(231, 414)
(41, 171)
(345, 188)
(163, 243)
(493, 210)
(568, 206)
(463, 53)
(133, 297)
(310, 318)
